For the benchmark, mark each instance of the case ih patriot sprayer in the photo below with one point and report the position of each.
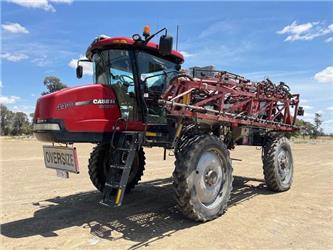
(141, 98)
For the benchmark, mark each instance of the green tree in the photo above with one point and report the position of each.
(20, 124)
(317, 123)
(53, 83)
(305, 128)
(6, 120)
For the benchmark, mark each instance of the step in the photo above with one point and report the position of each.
(119, 167)
(107, 204)
(113, 185)
(125, 149)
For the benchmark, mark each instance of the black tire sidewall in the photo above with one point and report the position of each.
(272, 148)
(284, 145)
(192, 153)
(97, 171)
(210, 212)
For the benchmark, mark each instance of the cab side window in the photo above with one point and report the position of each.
(155, 71)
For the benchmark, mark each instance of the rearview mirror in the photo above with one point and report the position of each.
(300, 111)
(165, 46)
(79, 71)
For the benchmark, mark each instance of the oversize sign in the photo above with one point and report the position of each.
(62, 158)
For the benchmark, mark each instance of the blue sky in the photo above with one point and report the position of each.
(286, 41)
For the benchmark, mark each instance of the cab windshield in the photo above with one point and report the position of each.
(114, 67)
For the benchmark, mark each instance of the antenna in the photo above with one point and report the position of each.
(177, 37)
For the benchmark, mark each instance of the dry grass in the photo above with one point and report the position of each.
(40, 210)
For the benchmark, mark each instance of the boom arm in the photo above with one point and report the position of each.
(229, 98)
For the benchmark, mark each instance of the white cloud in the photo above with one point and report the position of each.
(42, 54)
(41, 61)
(296, 29)
(27, 109)
(61, 1)
(328, 121)
(330, 108)
(186, 54)
(36, 4)
(329, 40)
(8, 99)
(14, 28)
(328, 126)
(87, 66)
(309, 115)
(308, 118)
(24, 108)
(305, 31)
(13, 57)
(325, 76)
(307, 107)
(40, 4)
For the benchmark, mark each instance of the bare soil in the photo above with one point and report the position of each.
(42, 211)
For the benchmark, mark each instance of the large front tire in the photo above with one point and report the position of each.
(278, 163)
(203, 178)
(99, 166)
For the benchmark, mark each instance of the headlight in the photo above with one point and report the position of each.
(46, 126)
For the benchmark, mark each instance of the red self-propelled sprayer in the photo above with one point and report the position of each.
(140, 97)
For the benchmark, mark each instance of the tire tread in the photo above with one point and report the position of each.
(183, 162)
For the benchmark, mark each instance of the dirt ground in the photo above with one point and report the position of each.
(42, 211)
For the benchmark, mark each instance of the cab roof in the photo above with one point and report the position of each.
(105, 42)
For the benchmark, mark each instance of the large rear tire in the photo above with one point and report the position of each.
(99, 166)
(203, 178)
(278, 163)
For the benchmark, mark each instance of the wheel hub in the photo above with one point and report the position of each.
(283, 164)
(211, 177)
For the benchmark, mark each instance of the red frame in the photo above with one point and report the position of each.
(248, 100)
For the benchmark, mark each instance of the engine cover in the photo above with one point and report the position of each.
(79, 114)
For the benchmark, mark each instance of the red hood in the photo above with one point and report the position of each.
(83, 108)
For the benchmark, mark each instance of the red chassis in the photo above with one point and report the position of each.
(229, 98)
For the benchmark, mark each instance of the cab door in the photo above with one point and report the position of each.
(155, 74)
(116, 69)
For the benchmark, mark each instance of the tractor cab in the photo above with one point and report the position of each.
(137, 70)
(129, 77)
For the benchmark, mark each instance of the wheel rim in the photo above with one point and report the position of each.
(210, 178)
(284, 165)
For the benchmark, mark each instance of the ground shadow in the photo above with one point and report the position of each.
(149, 213)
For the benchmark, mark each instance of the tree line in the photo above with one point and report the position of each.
(19, 123)
(313, 130)
(15, 123)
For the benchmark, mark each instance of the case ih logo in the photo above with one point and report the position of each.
(103, 103)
